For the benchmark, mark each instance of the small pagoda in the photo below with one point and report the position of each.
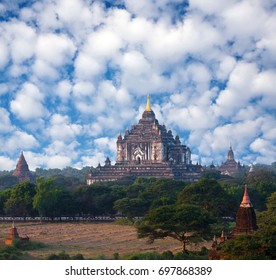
(14, 236)
(22, 171)
(246, 222)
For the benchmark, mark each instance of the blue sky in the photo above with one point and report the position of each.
(74, 74)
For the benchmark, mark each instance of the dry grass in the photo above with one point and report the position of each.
(90, 239)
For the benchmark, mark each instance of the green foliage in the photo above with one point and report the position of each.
(145, 256)
(10, 253)
(20, 201)
(79, 175)
(211, 174)
(243, 247)
(208, 194)
(50, 200)
(168, 255)
(28, 245)
(124, 222)
(64, 256)
(94, 200)
(181, 222)
(61, 256)
(116, 256)
(7, 181)
(4, 196)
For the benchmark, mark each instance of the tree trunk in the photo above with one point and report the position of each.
(183, 240)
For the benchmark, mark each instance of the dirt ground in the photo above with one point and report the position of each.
(90, 239)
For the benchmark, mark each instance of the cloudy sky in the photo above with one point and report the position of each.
(73, 74)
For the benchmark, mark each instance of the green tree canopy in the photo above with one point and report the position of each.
(20, 201)
(50, 200)
(181, 222)
(208, 194)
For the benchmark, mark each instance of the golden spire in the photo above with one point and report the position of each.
(148, 108)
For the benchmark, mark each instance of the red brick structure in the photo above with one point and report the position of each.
(22, 171)
(246, 222)
(13, 236)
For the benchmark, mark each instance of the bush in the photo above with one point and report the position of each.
(10, 253)
(146, 256)
(124, 222)
(64, 256)
(28, 245)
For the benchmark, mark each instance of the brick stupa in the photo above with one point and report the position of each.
(13, 236)
(22, 171)
(246, 222)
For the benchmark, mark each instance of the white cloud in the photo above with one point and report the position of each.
(209, 67)
(43, 70)
(19, 140)
(28, 103)
(58, 161)
(83, 89)
(86, 67)
(5, 124)
(63, 90)
(55, 49)
(239, 90)
(23, 41)
(6, 163)
(60, 128)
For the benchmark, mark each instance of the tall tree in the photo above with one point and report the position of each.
(46, 198)
(181, 222)
(20, 202)
(208, 194)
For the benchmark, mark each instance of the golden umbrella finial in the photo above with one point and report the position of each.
(148, 108)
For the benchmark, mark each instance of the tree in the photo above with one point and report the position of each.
(7, 181)
(130, 207)
(181, 222)
(46, 198)
(4, 196)
(208, 194)
(20, 202)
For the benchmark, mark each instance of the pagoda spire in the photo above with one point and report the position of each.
(246, 199)
(245, 218)
(148, 108)
(22, 171)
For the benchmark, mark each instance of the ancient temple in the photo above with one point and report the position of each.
(148, 149)
(230, 166)
(246, 218)
(22, 171)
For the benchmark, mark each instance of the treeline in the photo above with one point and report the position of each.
(168, 208)
(69, 177)
(129, 197)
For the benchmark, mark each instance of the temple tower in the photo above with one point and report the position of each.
(246, 218)
(148, 149)
(22, 171)
(230, 155)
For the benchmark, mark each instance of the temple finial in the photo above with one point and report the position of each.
(246, 199)
(148, 108)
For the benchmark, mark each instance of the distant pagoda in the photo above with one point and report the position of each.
(246, 222)
(22, 171)
(230, 166)
(148, 149)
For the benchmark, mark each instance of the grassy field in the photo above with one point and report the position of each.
(92, 240)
